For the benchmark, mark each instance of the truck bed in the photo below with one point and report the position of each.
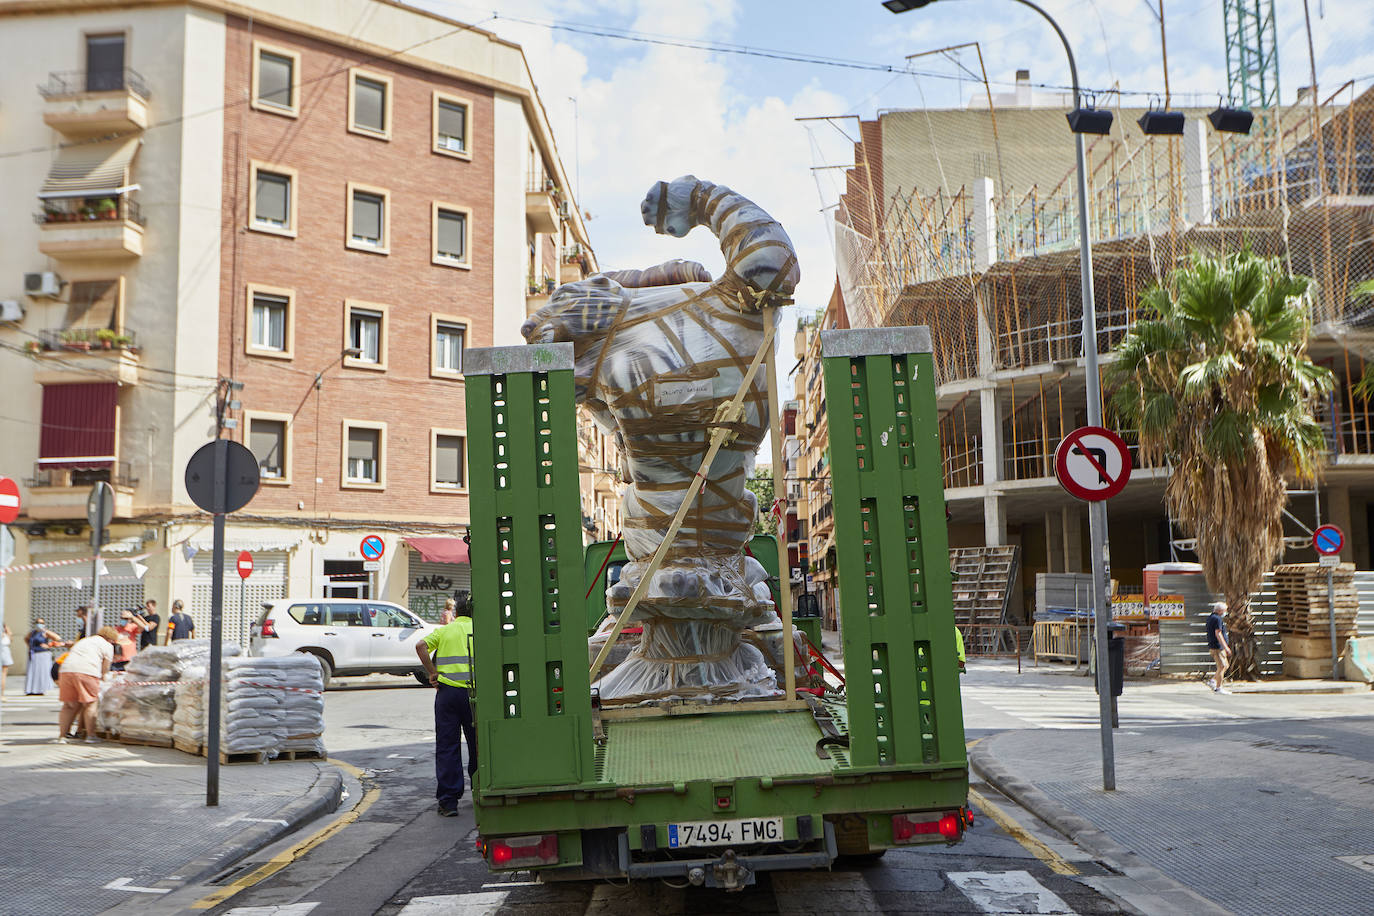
(669, 749)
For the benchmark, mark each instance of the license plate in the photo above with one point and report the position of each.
(725, 833)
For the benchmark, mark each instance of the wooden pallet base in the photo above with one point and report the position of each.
(301, 755)
(144, 742)
(190, 747)
(242, 757)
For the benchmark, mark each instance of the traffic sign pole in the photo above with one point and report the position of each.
(221, 479)
(1328, 540)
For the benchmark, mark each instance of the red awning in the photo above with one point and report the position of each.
(78, 425)
(440, 550)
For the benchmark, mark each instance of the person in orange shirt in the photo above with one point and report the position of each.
(130, 629)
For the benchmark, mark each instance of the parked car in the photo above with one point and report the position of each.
(348, 635)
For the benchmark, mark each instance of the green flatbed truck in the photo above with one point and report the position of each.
(712, 793)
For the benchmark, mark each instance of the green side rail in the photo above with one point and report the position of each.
(901, 670)
(532, 698)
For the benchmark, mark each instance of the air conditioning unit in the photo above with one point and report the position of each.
(565, 209)
(11, 310)
(43, 285)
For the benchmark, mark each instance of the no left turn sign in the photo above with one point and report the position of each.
(1092, 463)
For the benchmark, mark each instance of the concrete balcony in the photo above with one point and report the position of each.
(78, 102)
(543, 204)
(85, 355)
(574, 264)
(60, 493)
(104, 229)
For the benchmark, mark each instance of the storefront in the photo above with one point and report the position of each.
(438, 569)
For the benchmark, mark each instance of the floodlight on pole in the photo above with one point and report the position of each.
(1160, 123)
(1097, 511)
(1232, 120)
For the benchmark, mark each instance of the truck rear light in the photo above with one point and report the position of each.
(906, 830)
(524, 850)
(268, 629)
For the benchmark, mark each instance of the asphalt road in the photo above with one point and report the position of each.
(390, 853)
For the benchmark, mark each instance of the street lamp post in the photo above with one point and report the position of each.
(1097, 511)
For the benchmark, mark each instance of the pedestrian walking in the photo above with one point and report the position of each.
(150, 617)
(38, 677)
(1218, 645)
(449, 612)
(446, 655)
(78, 684)
(179, 624)
(6, 655)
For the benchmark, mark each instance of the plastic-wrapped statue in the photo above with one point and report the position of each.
(658, 353)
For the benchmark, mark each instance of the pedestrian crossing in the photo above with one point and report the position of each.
(804, 893)
(1075, 706)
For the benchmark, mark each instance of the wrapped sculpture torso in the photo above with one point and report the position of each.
(654, 363)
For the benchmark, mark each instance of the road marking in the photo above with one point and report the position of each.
(1362, 862)
(1056, 862)
(283, 859)
(513, 884)
(287, 909)
(1008, 892)
(126, 884)
(806, 892)
(398, 757)
(482, 903)
(257, 820)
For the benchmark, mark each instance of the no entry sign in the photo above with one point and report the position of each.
(1328, 540)
(372, 547)
(9, 500)
(245, 565)
(1092, 463)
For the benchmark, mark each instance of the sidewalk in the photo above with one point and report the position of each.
(91, 826)
(1258, 815)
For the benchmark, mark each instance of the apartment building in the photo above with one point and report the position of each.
(254, 222)
(965, 220)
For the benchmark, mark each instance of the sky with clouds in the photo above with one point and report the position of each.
(646, 110)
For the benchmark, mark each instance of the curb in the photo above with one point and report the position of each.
(320, 799)
(1172, 896)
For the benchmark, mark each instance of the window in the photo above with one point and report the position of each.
(267, 439)
(270, 319)
(272, 199)
(448, 460)
(276, 78)
(452, 125)
(369, 104)
(368, 219)
(104, 63)
(450, 235)
(450, 336)
(363, 454)
(365, 329)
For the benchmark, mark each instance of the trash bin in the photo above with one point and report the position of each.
(1116, 658)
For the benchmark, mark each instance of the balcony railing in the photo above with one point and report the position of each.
(85, 339)
(75, 82)
(118, 474)
(89, 209)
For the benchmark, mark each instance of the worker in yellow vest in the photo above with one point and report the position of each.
(446, 654)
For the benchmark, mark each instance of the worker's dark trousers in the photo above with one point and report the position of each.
(452, 713)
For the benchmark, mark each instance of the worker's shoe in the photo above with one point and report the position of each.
(448, 812)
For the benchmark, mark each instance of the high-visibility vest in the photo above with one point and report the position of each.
(451, 646)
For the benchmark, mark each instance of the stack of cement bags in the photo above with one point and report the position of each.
(139, 707)
(303, 703)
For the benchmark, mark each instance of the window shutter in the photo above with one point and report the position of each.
(265, 439)
(104, 63)
(452, 232)
(273, 198)
(453, 122)
(448, 460)
(362, 444)
(367, 216)
(369, 104)
(274, 79)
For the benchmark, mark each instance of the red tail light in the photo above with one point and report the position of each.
(268, 629)
(524, 850)
(949, 826)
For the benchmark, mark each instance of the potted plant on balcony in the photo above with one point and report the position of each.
(106, 338)
(123, 341)
(34, 346)
(106, 208)
(74, 340)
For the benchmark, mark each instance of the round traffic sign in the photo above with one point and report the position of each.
(100, 504)
(9, 500)
(1092, 463)
(240, 477)
(245, 565)
(372, 547)
(1328, 540)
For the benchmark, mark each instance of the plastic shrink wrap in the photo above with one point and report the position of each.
(658, 354)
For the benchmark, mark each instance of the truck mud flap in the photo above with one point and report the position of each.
(729, 870)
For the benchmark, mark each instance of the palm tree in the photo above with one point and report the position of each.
(1216, 379)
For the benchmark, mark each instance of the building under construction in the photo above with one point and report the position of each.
(965, 220)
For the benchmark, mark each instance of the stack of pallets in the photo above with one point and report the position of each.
(983, 578)
(1305, 615)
